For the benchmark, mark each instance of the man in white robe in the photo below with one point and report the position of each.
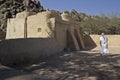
(104, 44)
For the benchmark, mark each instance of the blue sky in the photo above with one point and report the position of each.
(90, 7)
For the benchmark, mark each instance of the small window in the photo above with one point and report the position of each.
(39, 29)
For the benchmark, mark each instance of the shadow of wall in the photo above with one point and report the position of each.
(89, 42)
(22, 51)
(69, 42)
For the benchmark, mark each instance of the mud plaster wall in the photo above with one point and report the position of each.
(38, 44)
(37, 26)
(30, 36)
(27, 49)
(113, 40)
(15, 28)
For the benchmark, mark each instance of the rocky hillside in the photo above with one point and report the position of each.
(9, 9)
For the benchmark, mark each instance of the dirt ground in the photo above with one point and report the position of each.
(79, 65)
(112, 50)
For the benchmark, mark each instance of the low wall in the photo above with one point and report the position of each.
(20, 51)
(113, 40)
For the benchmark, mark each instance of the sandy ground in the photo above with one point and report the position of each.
(80, 65)
(112, 50)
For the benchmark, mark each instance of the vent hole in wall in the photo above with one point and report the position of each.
(39, 29)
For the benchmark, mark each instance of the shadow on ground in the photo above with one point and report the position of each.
(76, 66)
(7, 73)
